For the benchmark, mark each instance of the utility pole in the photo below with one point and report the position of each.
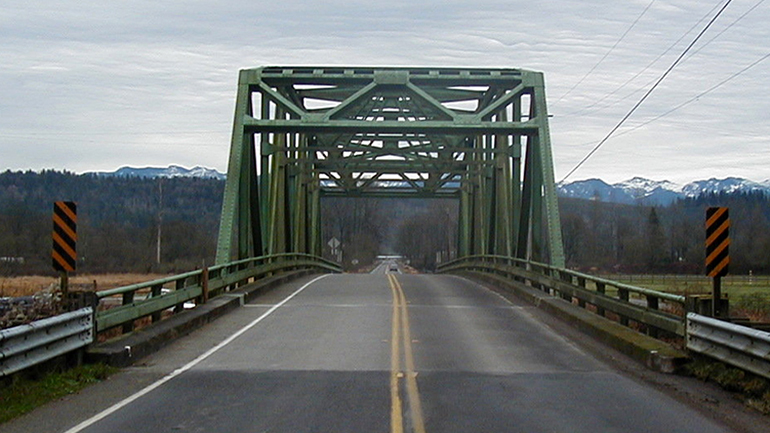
(160, 216)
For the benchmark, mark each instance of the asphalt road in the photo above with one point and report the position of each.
(372, 353)
(387, 266)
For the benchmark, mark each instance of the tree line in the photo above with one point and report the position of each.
(641, 239)
(119, 220)
(608, 237)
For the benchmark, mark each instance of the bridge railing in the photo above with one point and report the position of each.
(24, 346)
(123, 306)
(629, 305)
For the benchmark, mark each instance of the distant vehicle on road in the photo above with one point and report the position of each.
(393, 268)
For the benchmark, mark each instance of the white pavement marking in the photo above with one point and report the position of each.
(320, 305)
(117, 406)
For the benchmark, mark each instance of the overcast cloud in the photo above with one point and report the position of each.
(90, 85)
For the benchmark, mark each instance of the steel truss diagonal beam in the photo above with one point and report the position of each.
(479, 136)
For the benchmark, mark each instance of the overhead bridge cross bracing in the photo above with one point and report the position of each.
(479, 136)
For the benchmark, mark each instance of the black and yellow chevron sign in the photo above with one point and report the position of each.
(717, 241)
(65, 236)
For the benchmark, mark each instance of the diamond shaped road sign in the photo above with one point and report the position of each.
(334, 243)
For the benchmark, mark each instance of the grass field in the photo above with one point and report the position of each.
(734, 286)
(749, 295)
(29, 285)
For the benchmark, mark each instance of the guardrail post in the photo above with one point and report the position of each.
(567, 278)
(582, 283)
(178, 286)
(232, 270)
(602, 289)
(653, 304)
(205, 285)
(128, 298)
(268, 261)
(157, 290)
(623, 296)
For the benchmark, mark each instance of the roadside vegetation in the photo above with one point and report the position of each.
(28, 285)
(754, 390)
(24, 394)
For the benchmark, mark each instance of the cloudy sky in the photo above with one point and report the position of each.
(93, 85)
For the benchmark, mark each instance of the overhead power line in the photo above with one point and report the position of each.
(655, 60)
(699, 95)
(590, 71)
(648, 93)
(694, 98)
(645, 69)
(728, 27)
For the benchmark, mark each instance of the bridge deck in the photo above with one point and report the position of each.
(346, 354)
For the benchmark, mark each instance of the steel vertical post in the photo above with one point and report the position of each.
(229, 227)
(552, 220)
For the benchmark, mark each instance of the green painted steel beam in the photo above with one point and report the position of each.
(445, 127)
(392, 194)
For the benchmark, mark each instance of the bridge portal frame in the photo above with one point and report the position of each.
(480, 136)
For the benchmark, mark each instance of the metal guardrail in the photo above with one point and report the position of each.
(27, 345)
(153, 297)
(627, 302)
(736, 345)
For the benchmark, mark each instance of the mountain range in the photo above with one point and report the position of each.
(637, 190)
(170, 171)
(655, 193)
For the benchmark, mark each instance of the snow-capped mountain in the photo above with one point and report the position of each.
(637, 190)
(730, 184)
(658, 193)
(652, 192)
(170, 171)
(592, 189)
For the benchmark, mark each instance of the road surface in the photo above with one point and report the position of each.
(387, 266)
(372, 353)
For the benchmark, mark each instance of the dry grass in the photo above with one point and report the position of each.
(29, 285)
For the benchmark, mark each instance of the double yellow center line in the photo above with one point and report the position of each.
(401, 334)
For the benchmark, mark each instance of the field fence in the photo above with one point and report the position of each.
(730, 280)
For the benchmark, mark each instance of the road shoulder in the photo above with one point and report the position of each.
(710, 400)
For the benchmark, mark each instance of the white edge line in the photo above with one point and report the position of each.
(128, 400)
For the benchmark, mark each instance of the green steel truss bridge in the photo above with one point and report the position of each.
(385, 351)
(479, 136)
